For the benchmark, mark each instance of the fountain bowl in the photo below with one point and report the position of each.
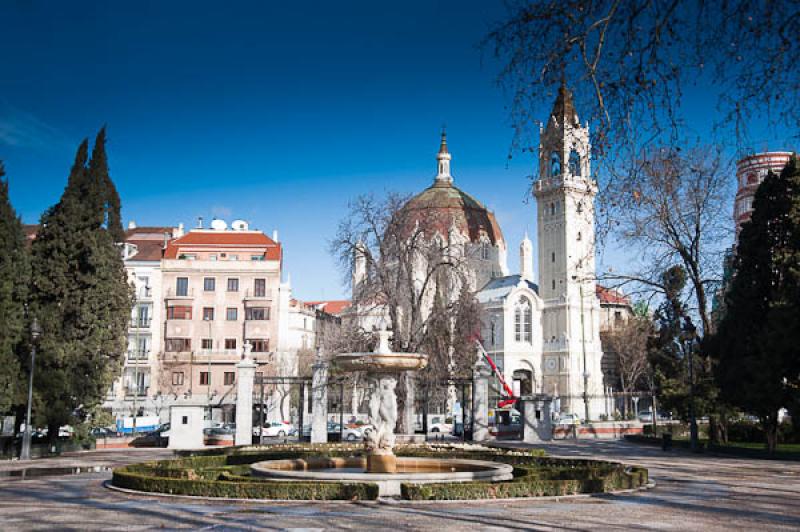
(382, 362)
(409, 470)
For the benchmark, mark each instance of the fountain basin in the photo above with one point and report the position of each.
(409, 470)
(382, 362)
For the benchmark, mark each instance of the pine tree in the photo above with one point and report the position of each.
(14, 276)
(80, 292)
(759, 334)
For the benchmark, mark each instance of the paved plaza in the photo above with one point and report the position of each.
(692, 493)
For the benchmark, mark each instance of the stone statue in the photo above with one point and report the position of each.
(379, 439)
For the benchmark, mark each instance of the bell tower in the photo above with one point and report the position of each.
(565, 192)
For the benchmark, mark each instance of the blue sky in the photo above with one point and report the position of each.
(273, 113)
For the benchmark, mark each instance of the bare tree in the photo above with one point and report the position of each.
(674, 210)
(631, 62)
(399, 260)
(628, 342)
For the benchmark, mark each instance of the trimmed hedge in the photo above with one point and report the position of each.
(225, 473)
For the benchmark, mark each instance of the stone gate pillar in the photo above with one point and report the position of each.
(538, 424)
(244, 398)
(480, 407)
(319, 398)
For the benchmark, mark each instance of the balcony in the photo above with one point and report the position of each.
(257, 295)
(138, 355)
(144, 293)
(137, 391)
(140, 323)
(174, 294)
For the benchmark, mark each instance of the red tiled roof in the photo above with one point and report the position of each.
(225, 239)
(150, 250)
(334, 307)
(609, 296)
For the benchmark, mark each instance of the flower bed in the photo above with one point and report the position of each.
(226, 473)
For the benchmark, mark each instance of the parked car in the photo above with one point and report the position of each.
(444, 428)
(279, 429)
(647, 416)
(568, 419)
(156, 438)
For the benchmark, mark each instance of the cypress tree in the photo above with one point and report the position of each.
(759, 334)
(79, 292)
(14, 276)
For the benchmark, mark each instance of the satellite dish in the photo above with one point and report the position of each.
(218, 225)
(239, 225)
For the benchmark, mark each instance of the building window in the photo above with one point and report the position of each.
(179, 312)
(256, 313)
(209, 284)
(178, 344)
(182, 286)
(233, 284)
(260, 287)
(233, 257)
(494, 332)
(207, 344)
(260, 346)
(204, 378)
(554, 284)
(212, 257)
(555, 164)
(208, 313)
(177, 378)
(579, 207)
(552, 256)
(231, 314)
(230, 343)
(523, 321)
(256, 257)
(617, 317)
(485, 250)
(229, 378)
(574, 163)
(552, 209)
(579, 236)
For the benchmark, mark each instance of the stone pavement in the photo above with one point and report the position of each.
(693, 493)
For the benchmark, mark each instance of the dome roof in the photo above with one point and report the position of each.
(443, 205)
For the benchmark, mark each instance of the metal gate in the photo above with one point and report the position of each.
(274, 400)
(440, 421)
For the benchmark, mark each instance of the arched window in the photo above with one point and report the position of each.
(485, 250)
(574, 163)
(555, 164)
(552, 209)
(523, 321)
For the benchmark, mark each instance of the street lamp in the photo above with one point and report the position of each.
(207, 318)
(583, 347)
(25, 453)
(688, 336)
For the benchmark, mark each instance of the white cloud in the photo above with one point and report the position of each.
(20, 128)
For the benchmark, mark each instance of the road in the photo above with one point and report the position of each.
(694, 492)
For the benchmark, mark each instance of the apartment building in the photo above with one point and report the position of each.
(220, 290)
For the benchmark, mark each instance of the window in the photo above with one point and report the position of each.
(233, 285)
(523, 321)
(579, 207)
(617, 317)
(485, 250)
(179, 312)
(229, 378)
(260, 346)
(185, 256)
(208, 313)
(231, 314)
(260, 287)
(555, 164)
(230, 343)
(554, 284)
(233, 257)
(177, 378)
(256, 257)
(574, 163)
(178, 344)
(182, 286)
(256, 313)
(212, 257)
(579, 236)
(553, 256)
(207, 344)
(494, 331)
(209, 284)
(204, 378)
(552, 209)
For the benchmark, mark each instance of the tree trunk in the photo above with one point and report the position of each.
(771, 432)
(52, 433)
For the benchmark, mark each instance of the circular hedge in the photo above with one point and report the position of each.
(226, 474)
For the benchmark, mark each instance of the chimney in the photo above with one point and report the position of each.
(275, 235)
(166, 239)
(199, 222)
(131, 225)
(177, 232)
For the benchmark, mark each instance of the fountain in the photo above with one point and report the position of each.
(380, 465)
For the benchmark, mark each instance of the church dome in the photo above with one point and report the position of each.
(443, 206)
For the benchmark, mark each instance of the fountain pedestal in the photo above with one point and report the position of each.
(382, 367)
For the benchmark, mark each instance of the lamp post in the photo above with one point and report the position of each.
(688, 337)
(25, 452)
(583, 348)
(207, 318)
